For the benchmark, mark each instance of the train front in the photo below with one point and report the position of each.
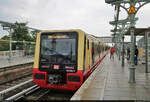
(55, 64)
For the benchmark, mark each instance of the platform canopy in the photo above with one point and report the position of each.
(138, 31)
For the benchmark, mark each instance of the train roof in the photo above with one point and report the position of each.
(79, 30)
(66, 30)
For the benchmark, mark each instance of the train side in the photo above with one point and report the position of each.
(73, 55)
(95, 51)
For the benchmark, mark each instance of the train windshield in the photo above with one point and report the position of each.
(59, 48)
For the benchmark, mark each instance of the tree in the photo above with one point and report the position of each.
(4, 46)
(21, 33)
(6, 37)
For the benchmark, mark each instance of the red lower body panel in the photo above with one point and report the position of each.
(69, 86)
(94, 66)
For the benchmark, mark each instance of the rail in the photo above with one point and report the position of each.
(2, 93)
(15, 78)
(14, 66)
(20, 94)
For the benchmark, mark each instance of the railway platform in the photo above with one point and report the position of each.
(110, 81)
(15, 61)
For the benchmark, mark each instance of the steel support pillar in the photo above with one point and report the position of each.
(132, 68)
(123, 51)
(119, 47)
(146, 51)
(10, 45)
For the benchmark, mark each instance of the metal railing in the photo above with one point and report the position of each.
(19, 48)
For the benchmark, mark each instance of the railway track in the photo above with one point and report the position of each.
(57, 95)
(12, 76)
(8, 93)
(14, 86)
(43, 94)
(5, 69)
(28, 91)
(14, 82)
(12, 73)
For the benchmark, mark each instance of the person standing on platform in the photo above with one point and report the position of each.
(112, 50)
(128, 53)
(136, 55)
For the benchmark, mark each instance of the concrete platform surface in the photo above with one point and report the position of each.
(111, 82)
(15, 61)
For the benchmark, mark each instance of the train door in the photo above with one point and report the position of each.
(87, 56)
(99, 50)
(92, 52)
(84, 64)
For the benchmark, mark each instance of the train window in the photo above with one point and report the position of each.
(88, 44)
(93, 47)
(59, 48)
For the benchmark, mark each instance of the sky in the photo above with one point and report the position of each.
(92, 16)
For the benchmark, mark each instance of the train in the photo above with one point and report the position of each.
(65, 58)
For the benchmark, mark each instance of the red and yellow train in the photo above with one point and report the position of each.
(65, 58)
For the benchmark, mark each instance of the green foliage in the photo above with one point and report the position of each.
(4, 46)
(6, 37)
(21, 33)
